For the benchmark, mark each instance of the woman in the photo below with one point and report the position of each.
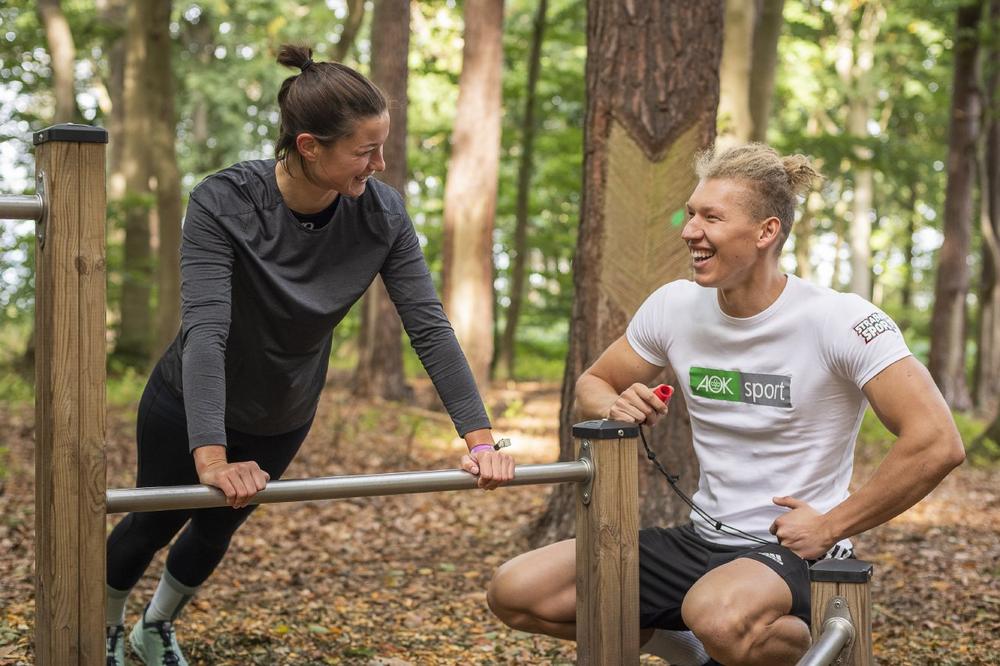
(274, 254)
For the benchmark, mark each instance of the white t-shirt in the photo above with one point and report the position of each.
(775, 399)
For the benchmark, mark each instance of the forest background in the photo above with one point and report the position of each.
(896, 102)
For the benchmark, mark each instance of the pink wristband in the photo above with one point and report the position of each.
(480, 447)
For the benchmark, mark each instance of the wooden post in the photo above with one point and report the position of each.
(607, 545)
(69, 398)
(850, 580)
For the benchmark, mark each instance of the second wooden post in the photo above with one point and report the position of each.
(607, 545)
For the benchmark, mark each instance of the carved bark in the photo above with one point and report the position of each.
(471, 188)
(946, 361)
(379, 373)
(653, 92)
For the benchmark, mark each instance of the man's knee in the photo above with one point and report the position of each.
(722, 624)
(508, 596)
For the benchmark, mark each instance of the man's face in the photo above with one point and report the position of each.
(720, 233)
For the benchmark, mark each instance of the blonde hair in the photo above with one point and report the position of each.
(775, 181)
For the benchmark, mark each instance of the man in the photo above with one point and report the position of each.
(777, 374)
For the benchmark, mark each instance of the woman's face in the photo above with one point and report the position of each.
(346, 165)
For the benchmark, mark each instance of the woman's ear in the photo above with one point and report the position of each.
(307, 146)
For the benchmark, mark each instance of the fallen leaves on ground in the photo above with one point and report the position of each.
(400, 580)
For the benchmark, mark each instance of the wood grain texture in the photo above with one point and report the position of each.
(858, 597)
(70, 409)
(607, 543)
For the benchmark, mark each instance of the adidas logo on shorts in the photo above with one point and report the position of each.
(773, 556)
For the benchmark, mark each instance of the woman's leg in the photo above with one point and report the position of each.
(163, 460)
(203, 543)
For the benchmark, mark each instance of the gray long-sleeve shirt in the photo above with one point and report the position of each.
(261, 294)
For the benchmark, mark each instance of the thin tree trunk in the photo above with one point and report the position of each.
(134, 339)
(855, 59)
(948, 321)
(765, 59)
(471, 188)
(379, 372)
(112, 13)
(62, 51)
(988, 350)
(163, 132)
(59, 41)
(355, 17)
(803, 231)
(653, 92)
(735, 124)
(909, 247)
(520, 250)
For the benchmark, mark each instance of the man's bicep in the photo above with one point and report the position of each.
(621, 366)
(903, 395)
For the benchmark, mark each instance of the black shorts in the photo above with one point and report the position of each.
(672, 559)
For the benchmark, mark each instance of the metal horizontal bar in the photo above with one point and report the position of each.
(21, 207)
(837, 633)
(122, 500)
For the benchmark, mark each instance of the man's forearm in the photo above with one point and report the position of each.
(906, 476)
(594, 397)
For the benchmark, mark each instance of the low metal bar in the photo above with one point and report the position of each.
(122, 500)
(837, 633)
(21, 207)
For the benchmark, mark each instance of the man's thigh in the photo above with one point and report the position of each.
(765, 582)
(671, 560)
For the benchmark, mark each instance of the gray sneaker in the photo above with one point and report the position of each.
(116, 645)
(156, 644)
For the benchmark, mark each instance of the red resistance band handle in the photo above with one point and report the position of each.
(663, 392)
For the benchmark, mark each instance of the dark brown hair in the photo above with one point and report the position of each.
(325, 99)
(776, 180)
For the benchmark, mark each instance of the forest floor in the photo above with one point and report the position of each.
(400, 580)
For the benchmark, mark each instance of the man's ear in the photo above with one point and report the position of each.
(770, 232)
(307, 146)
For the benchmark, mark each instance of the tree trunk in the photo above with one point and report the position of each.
(379, 372)
(653, 92)
(948, 320)
(766, 32)
(112, 13)
(988, 350)
(520, 250)
(735, 124)
(803, 231)
(134, 339)
(471, 189)
(355, 17)
(909, 247)
(163, 133)
(59, 40)
(855, 58)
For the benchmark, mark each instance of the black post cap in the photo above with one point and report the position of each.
(604, 429)
(841, 571)
(70, 132)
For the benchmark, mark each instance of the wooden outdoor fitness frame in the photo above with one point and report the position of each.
(72, 501)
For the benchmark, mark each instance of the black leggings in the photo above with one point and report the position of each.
(165, 460)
